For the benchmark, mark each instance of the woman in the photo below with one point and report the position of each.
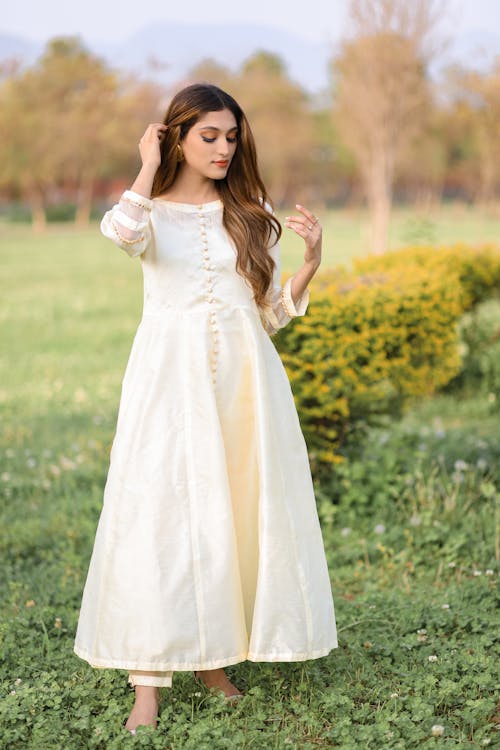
(208, 550)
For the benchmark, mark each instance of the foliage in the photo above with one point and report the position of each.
(479, 332)
(372, 339)
(53, 135)
(476, 266)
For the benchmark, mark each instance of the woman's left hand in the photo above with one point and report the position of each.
(308, 227)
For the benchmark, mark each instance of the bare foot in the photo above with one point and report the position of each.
(145, 710)
(217, 678)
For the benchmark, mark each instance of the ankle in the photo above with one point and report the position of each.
(147, 693)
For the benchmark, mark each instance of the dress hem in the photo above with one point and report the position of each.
(186, 667)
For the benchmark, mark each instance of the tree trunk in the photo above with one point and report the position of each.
(84, 201)
(38, 216)
(379, 190)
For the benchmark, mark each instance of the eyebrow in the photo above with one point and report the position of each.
(212, 127)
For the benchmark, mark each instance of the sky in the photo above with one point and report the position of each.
(106, 20)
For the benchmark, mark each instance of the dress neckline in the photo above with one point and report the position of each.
(190, 207)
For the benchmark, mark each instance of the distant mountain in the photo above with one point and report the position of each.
(181, 46)
(166, 51)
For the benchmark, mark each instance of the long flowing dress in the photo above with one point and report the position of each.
(208, 550)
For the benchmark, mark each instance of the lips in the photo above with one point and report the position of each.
(221, 163)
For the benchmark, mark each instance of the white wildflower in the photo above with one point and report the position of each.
(477, 573)
(481, 464)
(461, 465)
(433, 657)
(17, 681)
(54, 470)
(422, 631)
(345, 531)
(379, 528)
(488, 572)
(394, 695)
(452, 565)
(415, 520)
(5, 476)
(445, 606)
(437, 730)
(31, 463)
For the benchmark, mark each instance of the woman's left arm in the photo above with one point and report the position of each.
(308, 227)
(291, 300)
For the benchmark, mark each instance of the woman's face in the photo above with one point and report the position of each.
(210, 144)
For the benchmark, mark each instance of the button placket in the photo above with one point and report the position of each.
(214, 349)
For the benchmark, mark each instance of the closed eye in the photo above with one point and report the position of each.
(211, 140)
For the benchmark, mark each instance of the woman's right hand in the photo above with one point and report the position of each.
(149, 145)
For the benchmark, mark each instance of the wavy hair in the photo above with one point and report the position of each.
(249, 223)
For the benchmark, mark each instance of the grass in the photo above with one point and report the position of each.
(345, 231)
(410, 527)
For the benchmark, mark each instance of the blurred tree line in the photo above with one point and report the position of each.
(70, 124)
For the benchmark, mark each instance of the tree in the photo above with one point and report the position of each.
(478, 94)
(280, 117)
(210, 71)
(26, 146)
(423, 165)
(381, 93)
(68, 121)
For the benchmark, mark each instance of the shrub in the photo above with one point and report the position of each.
(477, 267)
(373, 338)
(479, 331)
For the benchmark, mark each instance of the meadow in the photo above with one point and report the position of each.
(411, 525)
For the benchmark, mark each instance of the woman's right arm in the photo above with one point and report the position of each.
(127, 223)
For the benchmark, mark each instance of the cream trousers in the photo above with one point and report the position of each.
(153, 679)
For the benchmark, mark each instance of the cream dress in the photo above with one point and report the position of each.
(208, 549)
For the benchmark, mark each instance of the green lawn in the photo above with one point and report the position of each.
(411, 531)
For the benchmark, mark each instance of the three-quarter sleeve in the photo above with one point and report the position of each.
(127, 224)
(281, 308)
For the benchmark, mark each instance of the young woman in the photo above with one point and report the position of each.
(208, 550)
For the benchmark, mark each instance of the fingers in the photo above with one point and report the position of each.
(307, 225)
(312, 219)
(157, 129)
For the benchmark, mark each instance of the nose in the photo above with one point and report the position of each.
(222, 146)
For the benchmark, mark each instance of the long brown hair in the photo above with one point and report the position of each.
(251, 226)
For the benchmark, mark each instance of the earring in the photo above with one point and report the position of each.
(180, 154)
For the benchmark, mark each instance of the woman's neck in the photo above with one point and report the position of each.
(191, 188)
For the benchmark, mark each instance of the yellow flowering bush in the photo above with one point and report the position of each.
(478, 267)
(374, 337)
